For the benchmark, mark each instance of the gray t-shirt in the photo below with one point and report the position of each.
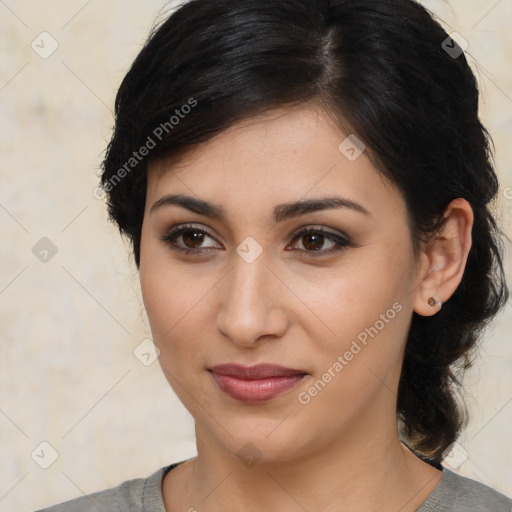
(453, 493)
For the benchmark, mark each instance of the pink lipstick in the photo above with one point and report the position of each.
(253, 384)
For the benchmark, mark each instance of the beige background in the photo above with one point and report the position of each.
(68, 374)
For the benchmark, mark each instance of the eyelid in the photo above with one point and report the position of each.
(178, 230)
(340, 239)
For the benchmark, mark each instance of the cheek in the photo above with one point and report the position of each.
(357, 359)
(362, 313)
(177, 309)
(345, 302)
(165, 295)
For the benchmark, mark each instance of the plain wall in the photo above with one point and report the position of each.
(69, 326)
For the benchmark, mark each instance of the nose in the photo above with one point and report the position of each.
(252, 303)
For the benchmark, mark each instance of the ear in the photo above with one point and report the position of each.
(444, 259)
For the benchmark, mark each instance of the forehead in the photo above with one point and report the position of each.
(288, 153)
(281, 128)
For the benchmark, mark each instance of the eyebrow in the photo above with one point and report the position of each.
(281, 212)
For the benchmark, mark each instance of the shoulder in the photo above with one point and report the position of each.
(128, 495)
(475, 496)
(458, 493)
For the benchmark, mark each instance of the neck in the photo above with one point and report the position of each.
(361, 471)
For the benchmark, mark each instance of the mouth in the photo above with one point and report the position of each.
(255, 384)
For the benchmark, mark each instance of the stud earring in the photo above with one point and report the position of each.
(433, 302)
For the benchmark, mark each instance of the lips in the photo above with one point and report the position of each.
(253, 384)
(260, 371)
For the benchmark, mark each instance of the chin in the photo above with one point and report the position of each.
(264, 440)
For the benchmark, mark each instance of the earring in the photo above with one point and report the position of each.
(433, 302)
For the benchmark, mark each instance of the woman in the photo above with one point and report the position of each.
(306, 186)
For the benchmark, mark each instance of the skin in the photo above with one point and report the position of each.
(341, 450)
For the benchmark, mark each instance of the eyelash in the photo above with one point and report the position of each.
(340, 241)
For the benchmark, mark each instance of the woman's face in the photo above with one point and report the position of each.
(335, 306)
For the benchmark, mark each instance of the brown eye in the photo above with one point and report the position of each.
(313, 240)
(191, 236)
